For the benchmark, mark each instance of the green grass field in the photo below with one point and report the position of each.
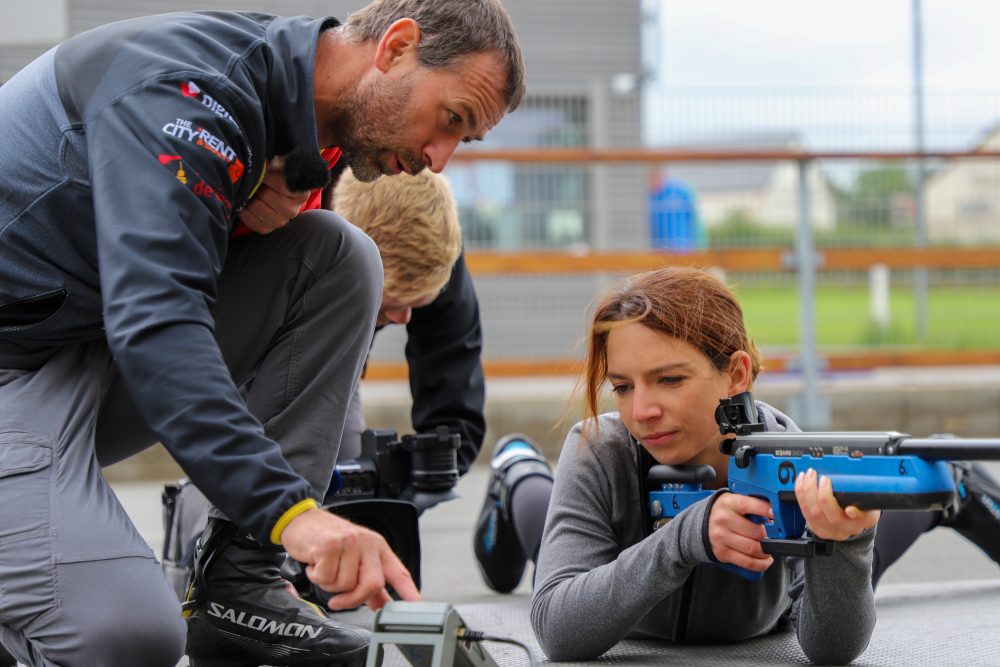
(960, 318)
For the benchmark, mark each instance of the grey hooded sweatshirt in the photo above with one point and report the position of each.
(599, 579)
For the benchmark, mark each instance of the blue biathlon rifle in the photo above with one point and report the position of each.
(870, 470)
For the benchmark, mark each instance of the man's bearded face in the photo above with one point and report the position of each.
(369, 134)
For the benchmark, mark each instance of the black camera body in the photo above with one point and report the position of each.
(410, 468)
(386, 489)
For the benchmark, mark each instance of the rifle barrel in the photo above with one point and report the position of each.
(961, 449)
(869, 443)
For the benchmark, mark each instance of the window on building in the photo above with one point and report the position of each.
(512, 206)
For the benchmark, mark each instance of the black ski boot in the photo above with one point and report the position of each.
(241, 613)
(976, 515)
(498, 549)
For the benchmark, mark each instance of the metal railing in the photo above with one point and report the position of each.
(527, 284)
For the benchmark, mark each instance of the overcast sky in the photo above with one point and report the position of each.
(860, 48)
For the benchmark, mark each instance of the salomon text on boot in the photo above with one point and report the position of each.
(241, 613)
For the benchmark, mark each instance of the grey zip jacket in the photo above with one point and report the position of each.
(127, 153)
(600, 580)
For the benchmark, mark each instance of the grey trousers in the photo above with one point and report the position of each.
(78, 584)
(354, 425)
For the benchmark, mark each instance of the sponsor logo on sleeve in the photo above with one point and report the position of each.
(206, 191)
(195, 183)
(170, 159)
(192, 90)
(185, 130)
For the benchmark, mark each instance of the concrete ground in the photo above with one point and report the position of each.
(918, 401)
(940, 604)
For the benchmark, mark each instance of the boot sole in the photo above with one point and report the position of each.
(211, 662)
(228, 663)
(220, 651)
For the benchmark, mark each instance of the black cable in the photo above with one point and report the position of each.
(475, 636)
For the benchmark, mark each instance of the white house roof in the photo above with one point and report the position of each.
(722, 177)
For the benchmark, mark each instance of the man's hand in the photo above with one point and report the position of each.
(735, 538)
(348, 560)
(824, 516)
(273, 204)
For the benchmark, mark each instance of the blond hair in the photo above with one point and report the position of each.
(413, 221)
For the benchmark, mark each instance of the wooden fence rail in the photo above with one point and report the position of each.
(639, 155)
(483, 263)
(770, 259)
(838, 361)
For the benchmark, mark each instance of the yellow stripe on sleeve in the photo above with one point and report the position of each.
(286, 518)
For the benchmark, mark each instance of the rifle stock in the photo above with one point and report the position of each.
(869, 470)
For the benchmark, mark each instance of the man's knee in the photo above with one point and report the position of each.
(341, 254)
(136, 638)
(335, 241)
(108, 637)
(118, 611)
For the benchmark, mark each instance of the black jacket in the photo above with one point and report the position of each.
(443, 349)
(444, 345)
(137, 143)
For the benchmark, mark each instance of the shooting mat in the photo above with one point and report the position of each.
(948, 623)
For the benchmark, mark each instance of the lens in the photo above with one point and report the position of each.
(434, 459)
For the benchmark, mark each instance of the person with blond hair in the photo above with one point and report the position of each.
(414, 223)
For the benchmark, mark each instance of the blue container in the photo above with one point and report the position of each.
(673, 218)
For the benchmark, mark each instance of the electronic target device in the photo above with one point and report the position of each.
(428, 634)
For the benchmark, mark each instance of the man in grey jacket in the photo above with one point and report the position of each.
(129, 314)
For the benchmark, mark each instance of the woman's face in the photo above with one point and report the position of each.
(667, 390)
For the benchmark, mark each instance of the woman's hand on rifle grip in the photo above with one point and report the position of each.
(825, 518)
